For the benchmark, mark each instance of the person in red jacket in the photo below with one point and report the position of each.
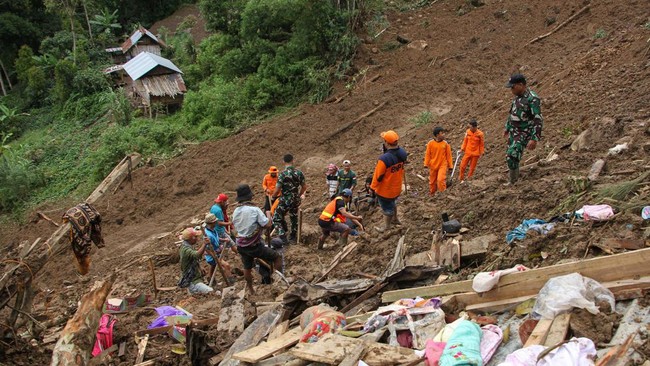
(473, 148)
(438, 159)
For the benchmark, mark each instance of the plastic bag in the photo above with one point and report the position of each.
(318, 321)
(597, 212)
(563, 293)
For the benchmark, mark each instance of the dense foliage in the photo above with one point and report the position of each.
(63, 126)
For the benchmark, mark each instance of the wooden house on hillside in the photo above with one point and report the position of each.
(142, 40)
(155, 80)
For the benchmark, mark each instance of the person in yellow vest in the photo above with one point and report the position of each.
(334, 216)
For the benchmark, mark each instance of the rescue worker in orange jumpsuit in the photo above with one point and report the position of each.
(473, 148)
(333, 218)
(388, 177)
(438, 159)
(268, 184)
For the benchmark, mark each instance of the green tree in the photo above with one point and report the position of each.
(106, 22)
(222, 15)
(67, 10)
(24, 62)
(64, 74)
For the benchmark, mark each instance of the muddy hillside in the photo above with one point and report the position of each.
(450, 64)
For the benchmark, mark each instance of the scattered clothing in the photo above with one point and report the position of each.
(319, 320)
(519, 233)
(576, 352)
(597, 212)
(163, 312)
(432, 352)
(492, 337)
(485, 281)
(85, 227)
(464, 346)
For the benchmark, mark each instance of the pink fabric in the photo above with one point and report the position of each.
(104, 337)
(492, 337)
(432, 352)
(597, 212)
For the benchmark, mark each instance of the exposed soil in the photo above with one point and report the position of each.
(584, 82)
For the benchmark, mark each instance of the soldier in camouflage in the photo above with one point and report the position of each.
(524, 124)
(291, 189)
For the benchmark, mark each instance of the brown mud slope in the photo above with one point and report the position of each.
(584, 82)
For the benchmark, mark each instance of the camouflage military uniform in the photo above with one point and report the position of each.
(524, 124)
(289, 180)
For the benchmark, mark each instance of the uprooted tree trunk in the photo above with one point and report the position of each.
(75, 345)
(19, 272)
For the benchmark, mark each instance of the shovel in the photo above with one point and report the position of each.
(451, 178)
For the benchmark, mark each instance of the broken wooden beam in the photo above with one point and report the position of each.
(602, 269)
(538, 336)
(253, 334)
(332, 349)
(142, 347)
(266, 349)
(365, 296)
(14, 277)
(476, 246)
(539, 38)
(558, 331)
(77, 339)
(46, 218)
(337, 260)
(352, 358)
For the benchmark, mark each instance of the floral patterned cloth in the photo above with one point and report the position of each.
(464, 346)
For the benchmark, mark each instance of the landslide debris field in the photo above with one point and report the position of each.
(592, 75)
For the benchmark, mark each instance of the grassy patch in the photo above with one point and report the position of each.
(600, 33)
(423, 118)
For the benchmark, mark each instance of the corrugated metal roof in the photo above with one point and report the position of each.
(135, 37)
(145, 62)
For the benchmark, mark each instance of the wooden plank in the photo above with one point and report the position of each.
(122, 349)
(352, 358)
(558, 330)
(477, 245)
(538, 336)
(337, 259)
(266, 349)
(332, 349)
(499, 305)
(279, 360)
(142, 346)
(279, 330)
(147, 363)
(602, 269)
(363, 297)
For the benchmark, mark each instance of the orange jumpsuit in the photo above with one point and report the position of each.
(438, 159)
(474, 147)
(268, 184)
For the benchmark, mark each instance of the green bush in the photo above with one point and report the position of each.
(18, 177)
(64, 74)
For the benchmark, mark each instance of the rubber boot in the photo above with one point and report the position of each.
(395, 220)
(321, 241)
(513, 176)
(387, 221)
(343, 240)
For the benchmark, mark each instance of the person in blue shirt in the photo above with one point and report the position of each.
(223, 225)
(216, 249)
